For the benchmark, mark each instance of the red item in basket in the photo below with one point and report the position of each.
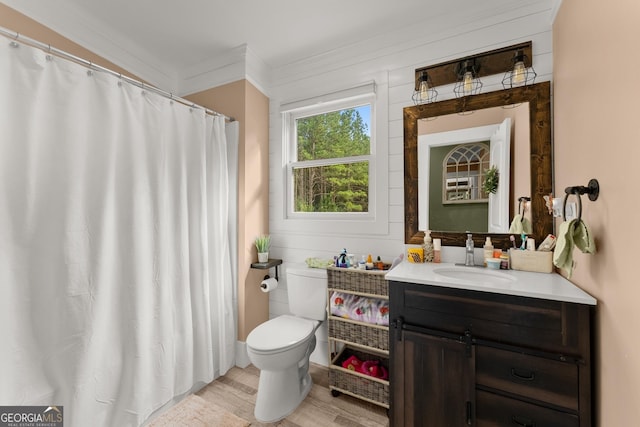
(374, 369)
(352, 363)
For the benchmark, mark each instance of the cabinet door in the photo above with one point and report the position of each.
(433, 381)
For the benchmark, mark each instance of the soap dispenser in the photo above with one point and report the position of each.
(469, 251)
(488, 250)
(427, 247)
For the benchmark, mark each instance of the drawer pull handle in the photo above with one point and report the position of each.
(520, 421)
(523, 375)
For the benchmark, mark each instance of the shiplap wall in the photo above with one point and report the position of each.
(389, 60)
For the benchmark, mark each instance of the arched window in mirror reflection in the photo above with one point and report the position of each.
(463, 170)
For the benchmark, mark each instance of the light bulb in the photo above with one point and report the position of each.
(467, 82)
(424, 90)
(519, 73)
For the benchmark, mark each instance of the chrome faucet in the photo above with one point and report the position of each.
(468, 261)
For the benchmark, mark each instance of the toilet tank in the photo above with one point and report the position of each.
(307, 291)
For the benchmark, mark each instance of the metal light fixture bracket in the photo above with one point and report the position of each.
(527, 75)
(422, 95)
(462, 87)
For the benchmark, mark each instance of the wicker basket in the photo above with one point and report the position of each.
(372, 389)
(360, 333)
(371, 282)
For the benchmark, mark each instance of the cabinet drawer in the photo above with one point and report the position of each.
(499, 411)
(529, 376)
(527, 322)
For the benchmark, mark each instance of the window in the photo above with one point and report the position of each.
(331, 159)
(463, 171)
(342, 189)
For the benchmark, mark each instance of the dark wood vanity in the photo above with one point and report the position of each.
(463, 357)
(487, 354)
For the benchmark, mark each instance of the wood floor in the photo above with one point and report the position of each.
(236, 392)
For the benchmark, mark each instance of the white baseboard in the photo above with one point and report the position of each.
(320, 355)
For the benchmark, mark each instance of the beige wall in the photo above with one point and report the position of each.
(597, 135)
(250, 107)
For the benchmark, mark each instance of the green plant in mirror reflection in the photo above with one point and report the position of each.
(490, 183)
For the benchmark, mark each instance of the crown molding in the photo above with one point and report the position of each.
(236, 64)
(99, 39)
(393, 47)
(389, 50)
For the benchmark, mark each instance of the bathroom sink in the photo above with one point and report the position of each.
(475, 275)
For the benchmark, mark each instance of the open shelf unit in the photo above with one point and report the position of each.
(349, 337)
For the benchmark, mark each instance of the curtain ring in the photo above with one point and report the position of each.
(48, 56)
(14, 42)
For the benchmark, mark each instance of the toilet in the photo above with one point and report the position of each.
(281, 347)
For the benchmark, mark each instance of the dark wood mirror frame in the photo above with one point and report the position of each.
(539, 98)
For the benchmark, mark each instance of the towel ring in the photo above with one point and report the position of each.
(592, 189)
(520, 200)
(564, 206)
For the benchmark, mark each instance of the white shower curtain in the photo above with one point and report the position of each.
(115, 275)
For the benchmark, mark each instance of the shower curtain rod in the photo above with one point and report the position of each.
(66, 55)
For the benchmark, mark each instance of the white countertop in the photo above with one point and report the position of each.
(550, 286)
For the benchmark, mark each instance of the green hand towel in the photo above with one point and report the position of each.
(563, 253)
(520, 225)
(583, 238)
(572, 233)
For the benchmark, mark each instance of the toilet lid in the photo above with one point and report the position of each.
(280, 333)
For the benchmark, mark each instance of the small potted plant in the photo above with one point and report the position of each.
(262, 245)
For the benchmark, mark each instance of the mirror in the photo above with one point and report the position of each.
(453, 164)
(538, 98)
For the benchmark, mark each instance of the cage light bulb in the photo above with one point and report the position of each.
(424, 90)
(519, 73)
(467, 82)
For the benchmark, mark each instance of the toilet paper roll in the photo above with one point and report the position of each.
(268, 285)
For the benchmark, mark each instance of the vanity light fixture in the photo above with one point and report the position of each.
(424, 91)
(519, 74)
(468, 81)
(465, 72)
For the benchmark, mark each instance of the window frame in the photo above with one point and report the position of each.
(290, 141)
(377, 223)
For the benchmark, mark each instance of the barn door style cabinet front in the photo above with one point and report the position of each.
(469, 358)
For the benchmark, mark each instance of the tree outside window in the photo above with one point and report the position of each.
(333, 151)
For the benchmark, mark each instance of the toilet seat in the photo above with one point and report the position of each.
(280, 333)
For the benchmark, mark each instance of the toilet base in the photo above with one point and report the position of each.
(280, 393)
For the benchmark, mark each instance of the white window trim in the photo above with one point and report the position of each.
(374, 222)
(290, 119)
